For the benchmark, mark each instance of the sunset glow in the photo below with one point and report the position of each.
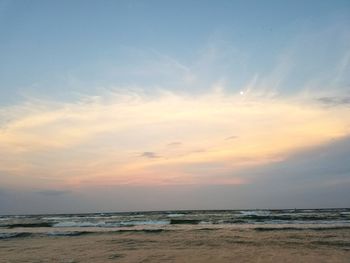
(226, 104)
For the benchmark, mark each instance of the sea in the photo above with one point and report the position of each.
(15, 226)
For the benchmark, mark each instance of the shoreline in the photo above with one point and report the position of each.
(183, 245)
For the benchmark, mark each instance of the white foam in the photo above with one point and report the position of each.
(255, 213)
(175, 215)
(78, 224)
(149, 222)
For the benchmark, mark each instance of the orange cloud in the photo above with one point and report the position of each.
(124, 139)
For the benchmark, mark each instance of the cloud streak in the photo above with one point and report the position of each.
(150, 155)
(94, 140)
(335, 101)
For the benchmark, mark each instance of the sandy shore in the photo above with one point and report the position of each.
(206, 245)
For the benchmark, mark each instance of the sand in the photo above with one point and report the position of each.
(206, 245)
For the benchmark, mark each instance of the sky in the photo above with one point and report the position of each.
(167, 105)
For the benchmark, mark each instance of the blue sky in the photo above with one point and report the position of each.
(177, 99)
(54, 45)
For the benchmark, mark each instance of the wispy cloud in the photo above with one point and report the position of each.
(132, 135)
(150, 155)
(175, 144)
(335, 101)
(94, 140)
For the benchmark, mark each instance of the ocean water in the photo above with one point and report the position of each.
(14, 226)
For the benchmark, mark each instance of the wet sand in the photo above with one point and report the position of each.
(205, 245)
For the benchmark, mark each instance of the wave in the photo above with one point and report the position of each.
(253, 218)
(184, 221)
(78, 224)
(255, 213)
(52, 234)
(69, 233)
(110, 224)
(14, 235)
(294, 217)
(175, 215)
(42, 224)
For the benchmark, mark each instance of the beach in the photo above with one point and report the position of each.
(287, 235)
(183, 245)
